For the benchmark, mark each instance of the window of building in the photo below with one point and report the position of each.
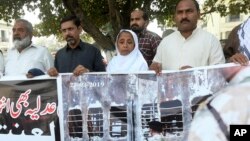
(233, 18)
(4, 36)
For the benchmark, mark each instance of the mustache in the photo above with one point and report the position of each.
(17, 38)
(134, 25)
(185, 20)
(69, 38)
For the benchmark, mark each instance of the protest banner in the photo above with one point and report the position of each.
(103, 106)
(28, 110)
(118, 107)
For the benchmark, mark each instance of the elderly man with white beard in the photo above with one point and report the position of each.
(25, 58)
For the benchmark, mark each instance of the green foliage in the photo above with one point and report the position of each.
(226, 7)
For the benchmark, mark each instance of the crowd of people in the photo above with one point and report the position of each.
(188, 47)
(137, 50)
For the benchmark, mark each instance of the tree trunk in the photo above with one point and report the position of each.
(103, 41)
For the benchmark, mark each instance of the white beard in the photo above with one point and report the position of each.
(23, 43)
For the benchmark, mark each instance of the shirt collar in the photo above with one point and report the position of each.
(142, 32)
(193, 33)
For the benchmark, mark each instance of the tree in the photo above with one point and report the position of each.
(106, 17)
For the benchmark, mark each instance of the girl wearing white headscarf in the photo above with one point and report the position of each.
(133, 61)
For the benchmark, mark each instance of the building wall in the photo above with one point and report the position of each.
(5, 35)
(222, 26)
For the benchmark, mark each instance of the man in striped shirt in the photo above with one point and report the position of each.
(148, 41)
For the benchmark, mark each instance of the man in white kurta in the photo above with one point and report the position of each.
(189, 46)
(19, 63)
(24, 56)
(199, 49)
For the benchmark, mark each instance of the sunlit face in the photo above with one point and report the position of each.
(125, 43)
(186, 16)
(71, 33)
(137, 23)
(21, 36)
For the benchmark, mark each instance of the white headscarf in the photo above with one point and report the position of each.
(244, 36)
(133, 62)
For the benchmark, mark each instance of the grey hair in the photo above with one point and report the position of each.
(27, 24)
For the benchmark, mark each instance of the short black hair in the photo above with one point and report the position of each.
(73, 18)
(156, 126)
(144, 14)
(197, 6)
